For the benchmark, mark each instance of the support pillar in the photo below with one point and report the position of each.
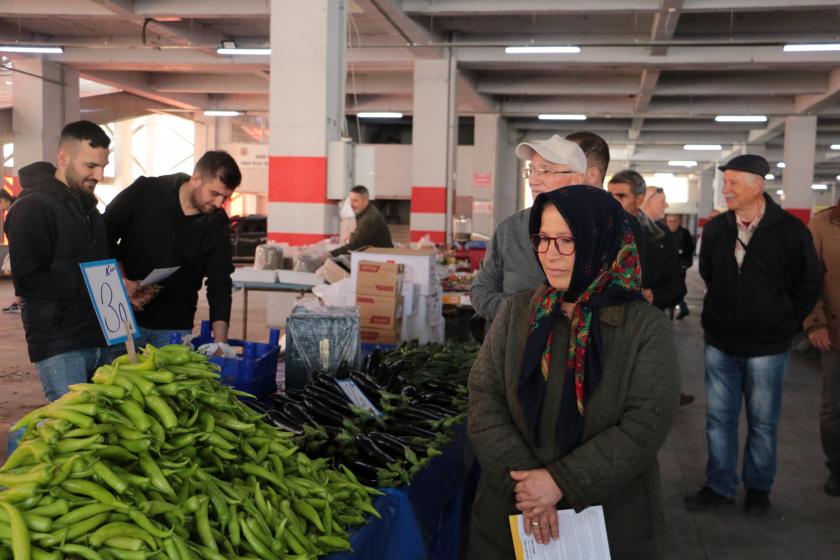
(430, 149)
(46, 97)
(798, 176)
(717, 190)
(485, 174)
(306, 111)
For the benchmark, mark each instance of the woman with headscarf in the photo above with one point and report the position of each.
(575, 389)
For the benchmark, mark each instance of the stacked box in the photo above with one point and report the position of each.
(379, 299)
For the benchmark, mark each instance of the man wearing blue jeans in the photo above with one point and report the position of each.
(52, 227)
(762, 279)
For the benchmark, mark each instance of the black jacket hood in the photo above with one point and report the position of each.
(40, 177)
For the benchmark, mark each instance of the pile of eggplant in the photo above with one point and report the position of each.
(420, 393)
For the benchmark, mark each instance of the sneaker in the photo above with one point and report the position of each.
(705, 499)
(756, 502)
(832, 485)
(684, 312)
(686, 399)
(13, 308)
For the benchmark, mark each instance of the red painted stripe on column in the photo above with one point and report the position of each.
(297, 179)
(436, 236)
(702, 222)
(428, 200)
(803, 214)
(297, 238)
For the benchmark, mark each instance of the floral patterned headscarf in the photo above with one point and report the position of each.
(606, 272)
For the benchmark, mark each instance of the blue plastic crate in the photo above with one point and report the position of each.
(255, 371)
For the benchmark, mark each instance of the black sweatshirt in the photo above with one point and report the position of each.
(51, 229)
(147, 229)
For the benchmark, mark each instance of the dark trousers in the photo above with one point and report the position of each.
(830, 410)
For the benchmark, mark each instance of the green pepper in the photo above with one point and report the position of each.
(21, 544)
(20, 492)
(93, 490)
(163, 411)
(135, 413)
(72, 445)
(80, 551)
(120, 529)
(111, 391)
(202, 525)
(156, 478)
(82, 513)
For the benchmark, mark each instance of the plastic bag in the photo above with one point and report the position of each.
(340, 294)
(346, 210)
(319, 338)
(268, 256)
(216, 349)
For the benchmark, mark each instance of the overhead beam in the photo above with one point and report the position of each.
(174, 82)
(186, 9)
(139, 84)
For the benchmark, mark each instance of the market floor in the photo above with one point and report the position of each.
(803, 522)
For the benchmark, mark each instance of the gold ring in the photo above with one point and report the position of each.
(535, 523)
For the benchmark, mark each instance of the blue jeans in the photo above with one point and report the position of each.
(77, 366)
(155, 337)
(758, 381)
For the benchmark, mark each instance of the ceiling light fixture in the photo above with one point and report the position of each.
(559, 117)
(244, 52)
(217, 113)
(379, 115)
(741, 118)
(31, 49)
(835, 146)
(702, 147)
(682, 163)
(780, 165)
(780, 192)
(548, 49)
(769, 176)
(812, 47)
(819, 187)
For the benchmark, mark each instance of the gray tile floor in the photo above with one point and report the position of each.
(804, 522)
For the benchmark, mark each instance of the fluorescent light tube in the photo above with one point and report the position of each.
(741, 118)
(221, 113)
(819, 187)
(812, 47)
(547, 49)
(379, 115)
(780, 165)
(682, 163)
(769, 176)
(558, 117)
(702, 147)
(835, 146)
(244, 52)
(31, 49)
(780, 192)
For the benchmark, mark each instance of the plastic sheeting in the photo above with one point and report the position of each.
(319, 338)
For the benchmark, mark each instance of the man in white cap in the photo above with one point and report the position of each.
(509, 266)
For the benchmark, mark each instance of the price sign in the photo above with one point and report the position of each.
(357, 396)
(110, 300)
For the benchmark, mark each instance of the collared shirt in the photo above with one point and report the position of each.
(745, 233)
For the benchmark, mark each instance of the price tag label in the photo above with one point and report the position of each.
(110, 300)
(357, 396)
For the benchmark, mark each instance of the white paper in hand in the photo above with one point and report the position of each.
(158, 275)
(583, 536)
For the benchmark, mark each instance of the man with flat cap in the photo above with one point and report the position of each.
(762, 280)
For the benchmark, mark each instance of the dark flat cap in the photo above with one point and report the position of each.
(748, 163)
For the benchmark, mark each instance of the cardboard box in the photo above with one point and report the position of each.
(377, 336)
(378, 278)
(332, 272)
(379, 312)
(419, 265)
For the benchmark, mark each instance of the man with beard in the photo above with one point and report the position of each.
(52, 227)
(177, 220)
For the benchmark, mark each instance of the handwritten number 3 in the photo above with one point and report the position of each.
(118, 314)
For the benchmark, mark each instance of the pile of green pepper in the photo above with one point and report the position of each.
(158, 460)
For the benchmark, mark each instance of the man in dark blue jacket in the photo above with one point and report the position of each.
(762, 278)
(52, 227)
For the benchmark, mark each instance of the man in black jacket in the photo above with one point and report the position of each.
(371, 227)
(762, 279)
(177, 220)
(52, 227)
(684, 245)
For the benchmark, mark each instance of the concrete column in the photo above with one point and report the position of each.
(798, 176)
(430, 141)
(485, 171)
(717, 184)
(706, 199)
(306, 111)
(46, 97)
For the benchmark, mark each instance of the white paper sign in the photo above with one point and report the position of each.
(357, 396)
(158, 275)
(583, 536)
(110, 300)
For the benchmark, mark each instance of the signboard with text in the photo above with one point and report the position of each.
(110, 300)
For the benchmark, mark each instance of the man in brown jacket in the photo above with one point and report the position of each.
(823, 327)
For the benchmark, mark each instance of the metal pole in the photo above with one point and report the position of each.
(451, 142)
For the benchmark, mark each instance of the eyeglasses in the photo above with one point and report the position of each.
(564, 245)
(530, 171)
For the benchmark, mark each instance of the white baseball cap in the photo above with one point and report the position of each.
(554, 150)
